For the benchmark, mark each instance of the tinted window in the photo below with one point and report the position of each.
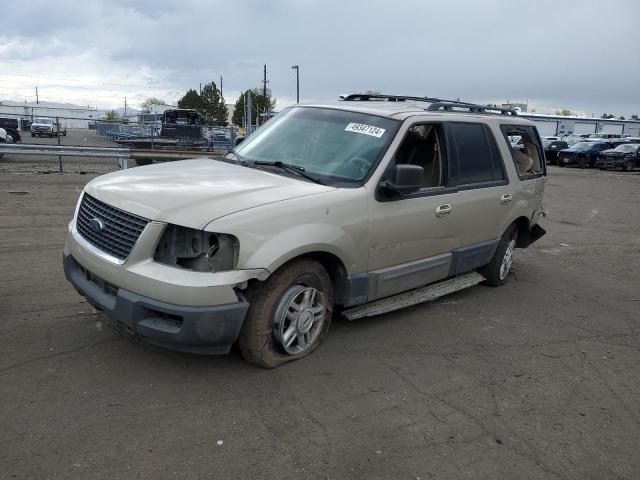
(475, 153)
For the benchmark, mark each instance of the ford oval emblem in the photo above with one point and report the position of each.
(96, 225)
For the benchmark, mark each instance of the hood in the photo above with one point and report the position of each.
(193, 193)
(573, 150)
(612, 151)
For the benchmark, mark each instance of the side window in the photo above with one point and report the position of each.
(478, 159)
(526, 153)
(423, 145)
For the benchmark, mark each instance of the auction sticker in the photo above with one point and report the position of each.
(366, 129)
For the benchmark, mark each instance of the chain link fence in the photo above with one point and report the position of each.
(171, 130)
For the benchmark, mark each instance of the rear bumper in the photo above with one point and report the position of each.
(204, 330)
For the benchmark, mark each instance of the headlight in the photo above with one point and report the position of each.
(197, 250)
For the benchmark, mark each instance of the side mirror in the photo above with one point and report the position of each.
(406, 179)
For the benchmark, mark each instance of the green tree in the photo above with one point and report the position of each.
(635, 117)
(191, 100)
(259, 104)
(621, 117)
(214, 110)
(565, 112)
(112, 116)
(149, 102)
(607, 115)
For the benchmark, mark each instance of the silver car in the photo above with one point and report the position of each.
(366, 205)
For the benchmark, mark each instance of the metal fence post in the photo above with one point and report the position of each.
(153, 128)
(58, 136)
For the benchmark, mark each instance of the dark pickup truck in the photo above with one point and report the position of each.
(625, 156)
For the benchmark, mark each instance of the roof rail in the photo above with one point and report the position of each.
(436, 104)
(449, 107)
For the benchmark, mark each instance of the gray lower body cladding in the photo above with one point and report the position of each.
(204, 330)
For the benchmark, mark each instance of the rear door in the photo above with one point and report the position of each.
(483, 197)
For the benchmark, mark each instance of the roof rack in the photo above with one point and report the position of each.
(436, 104)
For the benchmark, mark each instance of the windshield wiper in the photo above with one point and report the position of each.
(288, 167)
(239, 157)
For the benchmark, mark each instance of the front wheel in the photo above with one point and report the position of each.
(289, 316)
(628, 166)
(497, 270)
(583, 163)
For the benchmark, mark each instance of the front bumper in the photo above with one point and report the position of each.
(204, 330)
(606, 162)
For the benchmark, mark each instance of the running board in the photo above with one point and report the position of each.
(413, 297)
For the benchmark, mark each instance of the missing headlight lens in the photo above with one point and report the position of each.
(197, 250)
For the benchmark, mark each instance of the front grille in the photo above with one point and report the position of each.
(120, 230)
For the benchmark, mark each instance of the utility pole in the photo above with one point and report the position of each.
(220, 86)
(200, 88)
(297, 69)
(264, 92)
(125, 106)
(37, 100)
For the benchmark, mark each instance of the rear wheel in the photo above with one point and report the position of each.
(497, 270)
(289, 316)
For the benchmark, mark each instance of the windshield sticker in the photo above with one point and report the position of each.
(366, 129)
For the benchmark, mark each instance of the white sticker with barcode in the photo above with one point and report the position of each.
(366, 129)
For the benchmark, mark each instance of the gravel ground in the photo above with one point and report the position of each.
(537, 379)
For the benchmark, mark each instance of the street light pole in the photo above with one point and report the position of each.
(297, 69)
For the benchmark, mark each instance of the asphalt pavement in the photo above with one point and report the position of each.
(537, 379)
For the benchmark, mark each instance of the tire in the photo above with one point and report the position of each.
(32, 134)
(582, 163)
(628, 166)
(493, 271)
(265, 328)
(142, 162)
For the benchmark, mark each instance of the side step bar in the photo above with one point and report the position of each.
(413, 297)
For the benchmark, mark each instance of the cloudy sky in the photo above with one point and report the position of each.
(583, 55)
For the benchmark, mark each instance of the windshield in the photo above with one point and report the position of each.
(48, 121)
(626, 148)
(583, 145)
(337, 146)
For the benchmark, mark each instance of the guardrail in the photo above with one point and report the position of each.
(122, 154)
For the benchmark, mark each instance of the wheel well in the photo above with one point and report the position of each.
(334, 267)
(524, 231)
(337, 272)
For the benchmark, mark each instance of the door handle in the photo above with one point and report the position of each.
(443, 210)
(506, 198)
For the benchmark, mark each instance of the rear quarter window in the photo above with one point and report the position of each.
(528, 158)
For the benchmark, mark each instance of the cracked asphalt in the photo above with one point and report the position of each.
(534, 380)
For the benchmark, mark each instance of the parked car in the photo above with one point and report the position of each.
(4, 138)
(583, 154)
(348, 204)
(552, 147)
(42, 127)
(625, 156)
(11, 127)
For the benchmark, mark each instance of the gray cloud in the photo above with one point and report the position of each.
(577, 54)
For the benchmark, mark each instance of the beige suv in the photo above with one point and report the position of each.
(365, 205)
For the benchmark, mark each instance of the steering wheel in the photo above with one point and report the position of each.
(362, 164)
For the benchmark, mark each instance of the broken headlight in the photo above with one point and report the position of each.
(197, 250)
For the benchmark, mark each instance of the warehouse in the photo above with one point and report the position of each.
(561, 125)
